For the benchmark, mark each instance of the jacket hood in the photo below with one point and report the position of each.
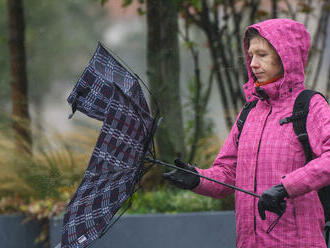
(291, 41)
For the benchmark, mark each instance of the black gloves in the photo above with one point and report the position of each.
(273, 200)
(182, 179)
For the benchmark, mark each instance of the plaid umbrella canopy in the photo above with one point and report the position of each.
(108, 92)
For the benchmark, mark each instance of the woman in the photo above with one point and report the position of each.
(269, 159)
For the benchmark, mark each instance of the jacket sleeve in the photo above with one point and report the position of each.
(223, 169)
(315, 174)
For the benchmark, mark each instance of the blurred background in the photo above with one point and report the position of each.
(189, 54)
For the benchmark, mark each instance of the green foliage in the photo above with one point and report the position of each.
(189, 44)
(141, 12)
(169, 200)
(127, 3)
(197, 4)
(103, 2)
(305, 8)
(261, 14)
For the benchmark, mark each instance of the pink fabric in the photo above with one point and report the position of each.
(269, 154)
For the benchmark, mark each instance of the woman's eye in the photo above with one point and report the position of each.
(262, 54)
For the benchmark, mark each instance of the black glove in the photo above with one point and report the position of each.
(182, 179)
(273, 200)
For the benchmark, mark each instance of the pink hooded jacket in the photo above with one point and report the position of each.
(269, 154)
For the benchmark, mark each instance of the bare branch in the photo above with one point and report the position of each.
(324, 26)
(199, 109)
(290, 10)
(306, 21)
(254, 8)
(190, 17)
(208, 90)
(274, 8)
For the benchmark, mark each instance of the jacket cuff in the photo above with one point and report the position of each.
(199, 187)
(294, 184)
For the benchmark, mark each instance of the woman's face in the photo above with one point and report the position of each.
(265, 63)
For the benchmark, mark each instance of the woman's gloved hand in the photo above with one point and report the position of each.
(273, 200)
(182, 179)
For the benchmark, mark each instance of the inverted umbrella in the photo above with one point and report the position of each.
(109, 92)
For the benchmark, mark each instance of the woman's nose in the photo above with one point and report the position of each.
(254, 62)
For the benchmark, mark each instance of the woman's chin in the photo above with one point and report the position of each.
(261, 80)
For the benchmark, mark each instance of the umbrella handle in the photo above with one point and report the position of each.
(155, 161)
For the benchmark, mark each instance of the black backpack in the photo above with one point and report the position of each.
(298, 119)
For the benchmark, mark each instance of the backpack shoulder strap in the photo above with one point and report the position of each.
(242, 117)
(300, 110)
(299, 119)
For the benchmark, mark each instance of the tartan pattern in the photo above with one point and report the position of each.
(94, 90)
(107, 92)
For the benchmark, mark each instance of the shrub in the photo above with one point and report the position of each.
(170, 200)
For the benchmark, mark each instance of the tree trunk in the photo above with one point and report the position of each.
(19, 83)
(163, 74)
(163, 77)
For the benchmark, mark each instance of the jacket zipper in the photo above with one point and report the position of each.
(255, 184)
(255, 172)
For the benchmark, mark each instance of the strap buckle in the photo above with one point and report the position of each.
(303, 137)
(285, 120)
(240, 124)
(247, 105)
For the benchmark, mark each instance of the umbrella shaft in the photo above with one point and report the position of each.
(207, 178)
